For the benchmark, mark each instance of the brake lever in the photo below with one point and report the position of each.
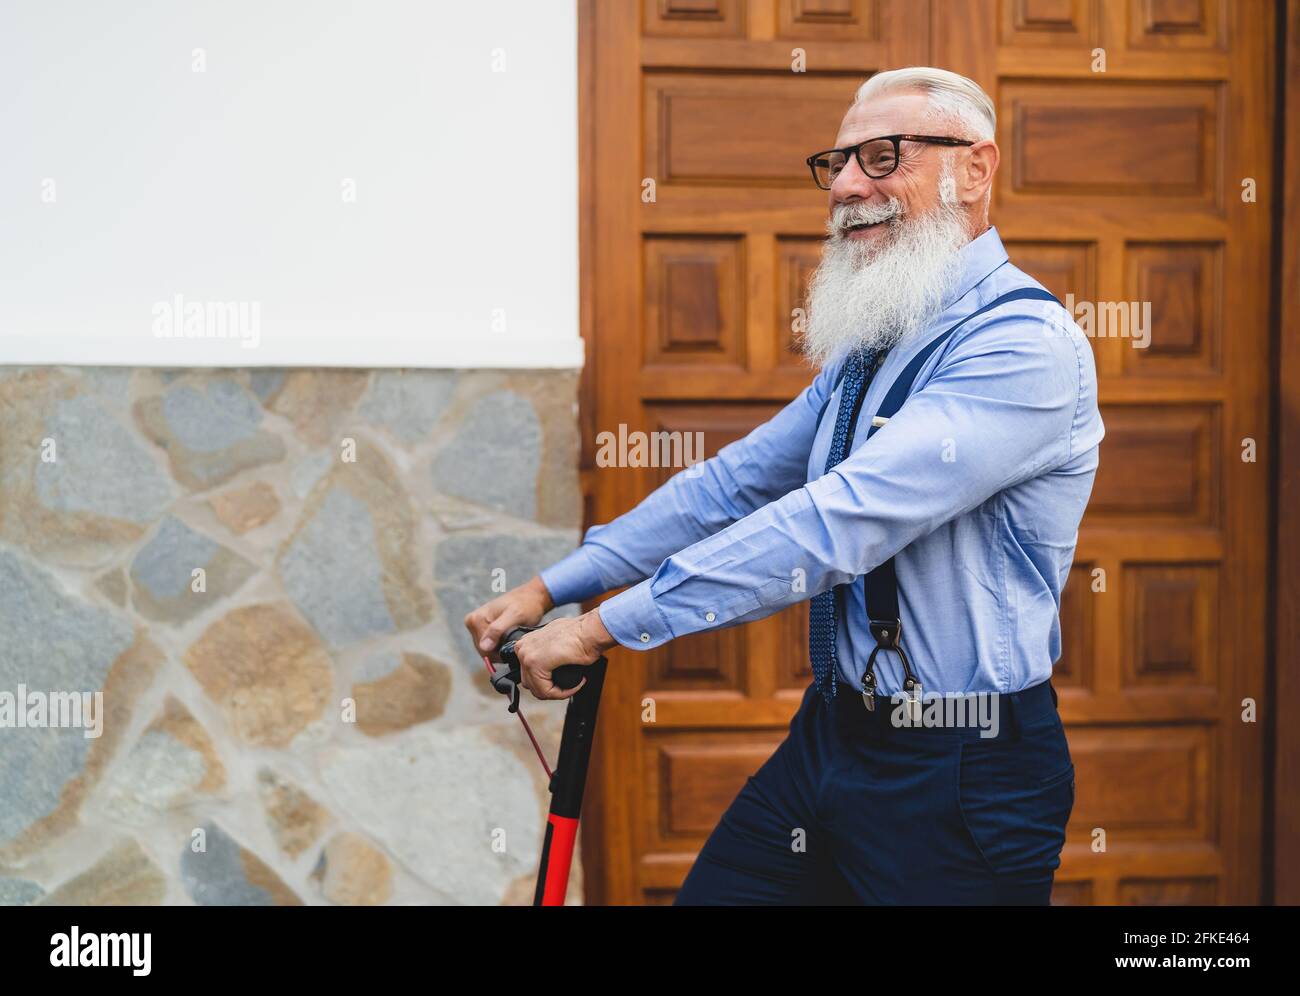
(507, 680)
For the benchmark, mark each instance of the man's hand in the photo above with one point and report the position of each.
(559, 642)
(522, 606)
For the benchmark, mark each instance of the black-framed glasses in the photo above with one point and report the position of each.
(877, 157)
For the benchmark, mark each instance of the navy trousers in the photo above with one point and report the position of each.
(853, 809)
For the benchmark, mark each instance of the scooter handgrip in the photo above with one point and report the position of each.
(568, 676)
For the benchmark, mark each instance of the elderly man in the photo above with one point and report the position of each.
(925, 493)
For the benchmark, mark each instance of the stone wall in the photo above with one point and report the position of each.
(264, 572)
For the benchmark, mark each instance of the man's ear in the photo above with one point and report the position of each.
(981, 163)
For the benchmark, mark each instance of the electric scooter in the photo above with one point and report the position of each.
(569, 778)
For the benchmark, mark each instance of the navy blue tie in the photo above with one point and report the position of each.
(858, 371)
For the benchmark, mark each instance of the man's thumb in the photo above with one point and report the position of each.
(493, 632)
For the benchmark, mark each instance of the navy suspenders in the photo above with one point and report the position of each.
(880, 586)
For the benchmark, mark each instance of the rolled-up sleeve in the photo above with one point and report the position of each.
(696, 502)
(1000, 406)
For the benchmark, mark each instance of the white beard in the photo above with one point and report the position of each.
(877, 295)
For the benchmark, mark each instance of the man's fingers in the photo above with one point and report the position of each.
(494, 630)
(477, 622)
(542, 687)
(569, 693)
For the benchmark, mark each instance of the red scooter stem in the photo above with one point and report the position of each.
(568, 783)
(570, 777)
(557, 858)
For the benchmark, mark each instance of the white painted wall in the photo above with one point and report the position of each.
(460, 249)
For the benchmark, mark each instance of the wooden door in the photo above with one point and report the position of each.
(700, 228)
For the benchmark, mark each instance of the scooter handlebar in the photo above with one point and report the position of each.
(565, 676)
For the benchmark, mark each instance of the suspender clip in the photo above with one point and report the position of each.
(913, 690)
(869, 688)
(888, 634)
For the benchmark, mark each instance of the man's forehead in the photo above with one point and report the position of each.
(889, 114)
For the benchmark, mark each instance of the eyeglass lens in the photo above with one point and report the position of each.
(878, 160)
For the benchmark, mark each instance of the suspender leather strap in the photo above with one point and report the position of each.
(881, 584)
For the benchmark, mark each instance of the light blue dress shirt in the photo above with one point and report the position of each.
(976, 487)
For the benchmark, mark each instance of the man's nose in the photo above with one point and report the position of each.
(852, 184)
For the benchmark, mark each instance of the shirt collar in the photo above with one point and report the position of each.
(976, 260)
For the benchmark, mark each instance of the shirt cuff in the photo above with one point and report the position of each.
(573, 579)
(634, 620)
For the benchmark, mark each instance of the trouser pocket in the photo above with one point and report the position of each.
(1016, 797)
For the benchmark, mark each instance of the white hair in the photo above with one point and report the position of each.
(950, 96)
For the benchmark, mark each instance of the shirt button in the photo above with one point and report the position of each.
(710, 616)
(645, 637)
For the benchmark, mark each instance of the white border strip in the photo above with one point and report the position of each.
(382, 350)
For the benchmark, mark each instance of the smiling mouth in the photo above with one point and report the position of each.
(862, 227)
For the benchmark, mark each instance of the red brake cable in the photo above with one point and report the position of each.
(527, 729)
